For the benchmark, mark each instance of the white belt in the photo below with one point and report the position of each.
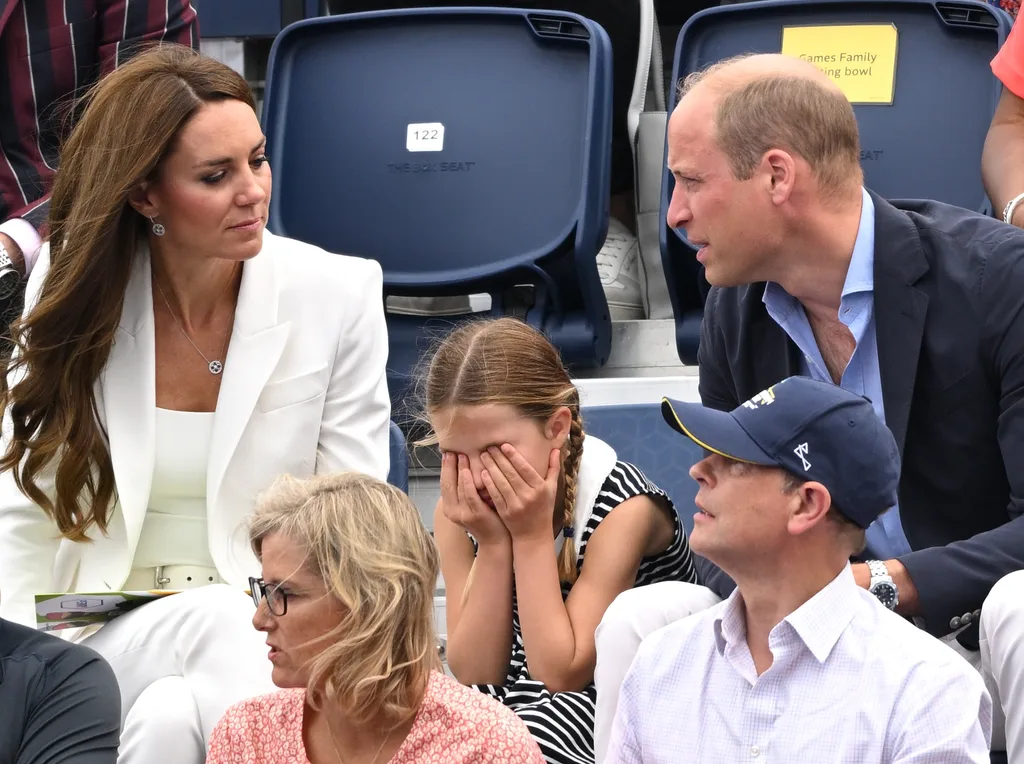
(173, 577)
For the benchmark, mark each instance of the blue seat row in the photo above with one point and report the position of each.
(251, 18)
(468, 149)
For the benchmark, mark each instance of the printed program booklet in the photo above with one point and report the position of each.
(74, 609)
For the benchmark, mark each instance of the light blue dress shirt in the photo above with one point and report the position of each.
(885, 537)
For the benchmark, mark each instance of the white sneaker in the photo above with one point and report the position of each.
(618, 264)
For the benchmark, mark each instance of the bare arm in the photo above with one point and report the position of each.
(1002, 161)
(478, 591)
(559, 637)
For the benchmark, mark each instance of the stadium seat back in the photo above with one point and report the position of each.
(640, 436)
(465, 149)
(241, 19)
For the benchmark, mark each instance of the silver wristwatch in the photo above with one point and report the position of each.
(10, 277)
(882, 585)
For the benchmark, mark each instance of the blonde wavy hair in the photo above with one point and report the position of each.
(366, 541)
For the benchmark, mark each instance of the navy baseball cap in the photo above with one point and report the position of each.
(815, 430)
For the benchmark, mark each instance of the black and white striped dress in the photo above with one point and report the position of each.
(562, 723)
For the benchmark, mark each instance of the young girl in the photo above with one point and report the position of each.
(538, 527)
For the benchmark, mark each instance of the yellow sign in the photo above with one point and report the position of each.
(860, 58)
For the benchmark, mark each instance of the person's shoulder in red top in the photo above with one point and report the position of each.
(461, 725)
(262, 730)
(454, 725)
(1008, 65)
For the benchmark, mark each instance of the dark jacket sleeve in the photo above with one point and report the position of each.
(74, 712)
(955, 579)
(35, 213)
(715, 393)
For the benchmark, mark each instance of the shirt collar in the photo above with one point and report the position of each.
(819, 622)
(860, 275)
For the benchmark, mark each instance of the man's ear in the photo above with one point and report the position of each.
(141, 200)
(781, 173)
(811, 502)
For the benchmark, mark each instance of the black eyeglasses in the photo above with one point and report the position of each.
(277, 600)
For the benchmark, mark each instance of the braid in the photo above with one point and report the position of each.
(567, 557)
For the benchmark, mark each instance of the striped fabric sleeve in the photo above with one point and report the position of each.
(126, 26)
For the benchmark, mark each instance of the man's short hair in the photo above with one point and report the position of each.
(790, 112)
(848, 530)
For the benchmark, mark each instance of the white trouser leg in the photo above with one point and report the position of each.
(204, 636)
(163, 718)
(632, 616)
(1001, 645)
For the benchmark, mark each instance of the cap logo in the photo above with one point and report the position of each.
(801, 452)
(763, 398)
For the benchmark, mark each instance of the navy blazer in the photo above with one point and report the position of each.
(949, 317)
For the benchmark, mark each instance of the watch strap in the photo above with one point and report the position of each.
(878, 570)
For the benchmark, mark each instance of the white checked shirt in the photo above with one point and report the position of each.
(851, 683)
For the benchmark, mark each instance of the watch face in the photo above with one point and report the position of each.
(886, 594)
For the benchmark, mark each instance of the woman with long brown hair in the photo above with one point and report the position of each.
(173, 358)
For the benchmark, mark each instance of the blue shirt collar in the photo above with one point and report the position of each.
(860, 276)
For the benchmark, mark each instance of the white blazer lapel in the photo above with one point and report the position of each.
(129, 398)
(257, 341)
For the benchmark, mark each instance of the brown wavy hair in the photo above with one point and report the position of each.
(130, 123)
(365, 540)
(508, 362)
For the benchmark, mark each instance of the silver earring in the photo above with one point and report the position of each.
(158, 228)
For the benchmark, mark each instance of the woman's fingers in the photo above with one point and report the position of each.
(467, 486)
(504, 488)
(460, 488)
(554, 467)
(495, 493)
(449, 479)
(516, 479)
(523, 469)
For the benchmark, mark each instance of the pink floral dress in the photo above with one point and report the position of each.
(455, 725)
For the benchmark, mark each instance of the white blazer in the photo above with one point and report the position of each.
(303, 392)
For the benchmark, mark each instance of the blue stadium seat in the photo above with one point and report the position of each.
(250, 18)
(640, 436)
(465, 149)
(398, 475)
(926, 145)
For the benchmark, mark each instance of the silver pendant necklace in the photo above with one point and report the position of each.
(216, 366)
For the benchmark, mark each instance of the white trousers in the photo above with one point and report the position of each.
(637, 612)
(181, 662)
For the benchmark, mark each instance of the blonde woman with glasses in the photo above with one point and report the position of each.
(346, 601)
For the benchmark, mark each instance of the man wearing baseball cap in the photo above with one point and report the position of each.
(799, 663)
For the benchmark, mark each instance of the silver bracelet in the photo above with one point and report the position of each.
(1011, 207)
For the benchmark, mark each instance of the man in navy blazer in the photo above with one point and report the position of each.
(918, 306)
